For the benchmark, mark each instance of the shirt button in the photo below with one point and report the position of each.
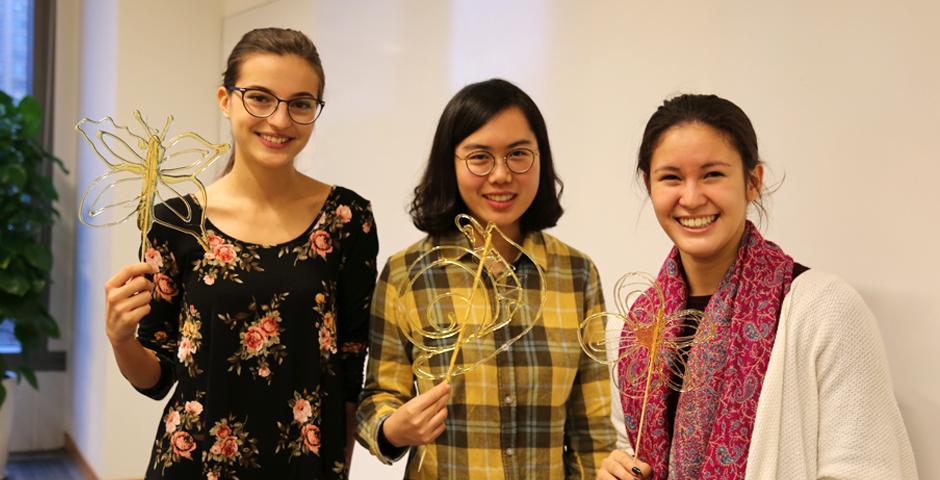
(507, 400)
(509, 452)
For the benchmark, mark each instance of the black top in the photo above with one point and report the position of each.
(265, 343)
(699, 302)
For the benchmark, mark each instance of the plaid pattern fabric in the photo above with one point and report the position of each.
(540, 409)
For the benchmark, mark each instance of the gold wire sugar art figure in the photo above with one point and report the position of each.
(654, 344)
(456, 300)
(467, 303)
(144, 168)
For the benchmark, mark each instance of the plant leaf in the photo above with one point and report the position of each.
(39, 256)
(32, 116)
(13, 284)
(29, 374)
(13, 175)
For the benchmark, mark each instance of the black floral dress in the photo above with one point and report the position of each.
(265, 344)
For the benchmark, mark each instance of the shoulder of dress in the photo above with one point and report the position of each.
(351, 197)
(179, 211)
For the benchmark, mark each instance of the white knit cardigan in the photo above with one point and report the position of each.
(826, 408)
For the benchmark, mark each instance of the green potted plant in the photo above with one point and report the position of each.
(26, 197)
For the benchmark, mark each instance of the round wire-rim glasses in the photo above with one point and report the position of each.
(262, 104)
(481, 162)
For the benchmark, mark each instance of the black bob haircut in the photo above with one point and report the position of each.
(436, 198)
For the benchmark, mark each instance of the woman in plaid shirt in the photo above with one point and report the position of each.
(539, 409)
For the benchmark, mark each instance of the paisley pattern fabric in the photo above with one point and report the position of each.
(714, 422)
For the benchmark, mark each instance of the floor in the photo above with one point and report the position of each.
(53, 465)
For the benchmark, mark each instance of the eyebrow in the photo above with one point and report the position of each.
(716, 163)
(266, 89)
(706, 166)
(480, 146)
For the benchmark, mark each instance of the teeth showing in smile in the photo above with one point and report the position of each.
(278, 140)
(505, 197)
(697, 222)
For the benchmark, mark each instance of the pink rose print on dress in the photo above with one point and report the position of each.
(326, 342)
(225, 253)
(311, 435)
(321, 243)
(177, 442)
(183, 444)
(302, 436)
(165, 287)
(232, 447)
(215, 241)
(193, 407)
(302, 411)
(260, 328)
(226, 260)
(186, 350)
(171, 421)
(253, 339)
(153, 258)
(229, 447)
(343, 213)
(269, 326)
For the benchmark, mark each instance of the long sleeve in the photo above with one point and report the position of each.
(356, 284)
(827, 409)
(389, 379)
(589, 436)
(852, 376)
(159, 330)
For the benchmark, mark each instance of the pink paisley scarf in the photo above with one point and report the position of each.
(713, 422)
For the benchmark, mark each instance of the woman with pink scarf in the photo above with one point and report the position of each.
(796, 380)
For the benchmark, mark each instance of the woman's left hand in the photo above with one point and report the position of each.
(621, 466)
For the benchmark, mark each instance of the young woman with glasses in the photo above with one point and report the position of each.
(792, 379)
(264, 334)
(541, 408)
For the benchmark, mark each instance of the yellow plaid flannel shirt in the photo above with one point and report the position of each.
(541, 409)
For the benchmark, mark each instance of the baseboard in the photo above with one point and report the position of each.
(72, 450)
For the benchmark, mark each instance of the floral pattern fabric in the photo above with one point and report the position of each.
(265, 345)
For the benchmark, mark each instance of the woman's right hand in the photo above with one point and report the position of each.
(621, 466)
(419, 421)
(127, 301)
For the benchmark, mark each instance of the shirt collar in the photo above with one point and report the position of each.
(533, 245)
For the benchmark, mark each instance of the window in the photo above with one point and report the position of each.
(26, 52)
(16, 41)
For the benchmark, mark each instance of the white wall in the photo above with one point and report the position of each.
(843, 95)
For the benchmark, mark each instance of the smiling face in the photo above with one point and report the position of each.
(273, 141)
(698, 190)
(501, 196)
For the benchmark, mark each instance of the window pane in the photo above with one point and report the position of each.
(16, 70)
(16, 41)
